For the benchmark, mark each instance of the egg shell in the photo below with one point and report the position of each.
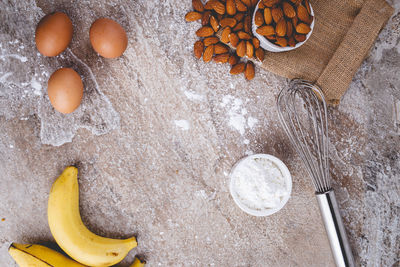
(108, 38)
(53, 34)
(65, 90)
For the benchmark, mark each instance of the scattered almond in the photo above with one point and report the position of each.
(206, 18)
(302, 14)
(193, 16)
(198, 49)
(209, 5)
(291, 41)
(225, 35)
(244, 35)
(247, 2)
(231, 22)
(239, 16)
(256, 42)
(289, 28)
(240, 6)
(241, 49)
(205, 31)
(214, 23)
(218, 7)
(249, 71)
(210, 40)
(220, 49)
(230, 7)
(249, 49)
(233, 59)
(208, 53)
(270, 3)
(238, 68)
(198, 5)
(234, 39)
(247, 24)
(221, 58)
(238, 27)
(300, 37)
(260, 54)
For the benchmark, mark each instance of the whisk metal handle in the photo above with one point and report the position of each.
(335, 229)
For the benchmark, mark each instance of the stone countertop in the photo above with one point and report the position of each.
(158, 132)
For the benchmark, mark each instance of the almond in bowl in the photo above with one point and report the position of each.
(283, 25)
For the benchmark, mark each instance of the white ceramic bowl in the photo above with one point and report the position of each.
(288, 181)
(267, 45)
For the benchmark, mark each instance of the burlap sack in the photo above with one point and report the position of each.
(343, 34)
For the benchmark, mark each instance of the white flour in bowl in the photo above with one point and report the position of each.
(259, 183)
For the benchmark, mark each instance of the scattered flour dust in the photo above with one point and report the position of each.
(182, 124)
(259, 183)
(193, 96)
(237, 114)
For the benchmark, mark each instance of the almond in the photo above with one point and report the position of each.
(225, 35)
(281, 41)
(256, 42)
(198, 49)
(249, 49)
(244, 35)
(231, 22)
(233, 59)
(222, 58)
(280, 28)
(260, 54)
(291, 41)
(220, 49)
(230, 7)
(247, 2)
(219, 7)
(270, 3)
(240, 6)
(289, 28)
(208, 53)
(210, 40)
(288, 10)
(266, 30)
(234, 39)
(300, 37)
(267, 16)
(238, 27)
(277, 14)
(303, 28)
(237, 69)
(198, 5)
(303, 15)
(205, 31)
(261, 5)
(239, 16)
(206, 18)
(247, 24)
(258, 18)
(214, 23)
(209, 5)
(271, 37)
(241, 49)
(296, 2)
(193, 16)
(249, 71)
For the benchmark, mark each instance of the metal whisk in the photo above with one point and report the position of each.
(303, 113)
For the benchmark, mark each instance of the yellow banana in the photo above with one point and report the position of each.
(138, 263)
(72, 235)
(27, 255)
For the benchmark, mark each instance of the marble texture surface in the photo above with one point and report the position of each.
(158, 132)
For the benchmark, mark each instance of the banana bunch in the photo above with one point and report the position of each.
(71, 234)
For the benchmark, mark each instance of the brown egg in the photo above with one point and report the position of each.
(53, 34)
(108, 38)
(65, 90)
